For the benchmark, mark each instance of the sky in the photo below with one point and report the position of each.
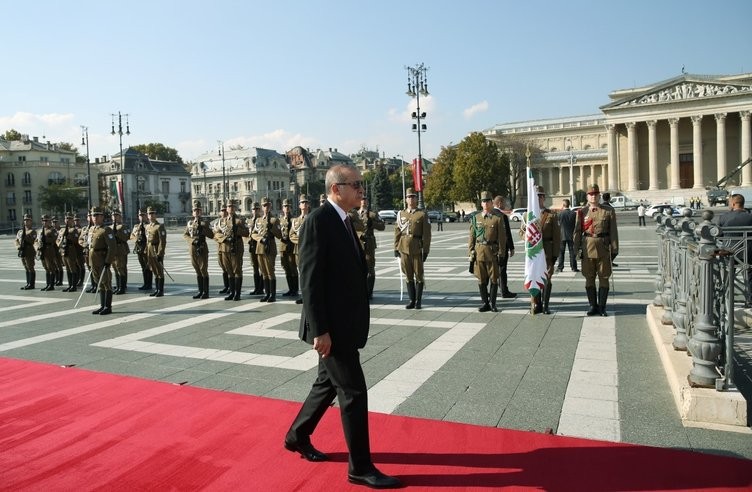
(332, 73)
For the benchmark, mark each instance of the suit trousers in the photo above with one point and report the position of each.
(341, 375)
(567, 244)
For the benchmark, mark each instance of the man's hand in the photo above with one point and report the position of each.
(323, 345)
(425, 257)
(396, 253)
(511, 252)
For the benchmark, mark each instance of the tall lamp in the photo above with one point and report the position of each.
(417, 85)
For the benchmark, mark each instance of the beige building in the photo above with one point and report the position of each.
(665, 141)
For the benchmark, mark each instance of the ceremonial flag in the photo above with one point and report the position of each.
(535, 257)
(418, 174)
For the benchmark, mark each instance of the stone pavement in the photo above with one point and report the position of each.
(597, 377)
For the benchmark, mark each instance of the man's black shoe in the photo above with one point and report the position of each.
(306, 451)
(575, 269)
(375, 480)
(508, 295)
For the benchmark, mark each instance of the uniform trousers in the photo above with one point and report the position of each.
(266, 265)
(412, 266)
(592, 267)
(98, 271)
(487, 270)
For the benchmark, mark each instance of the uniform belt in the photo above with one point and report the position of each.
(416, 237)
(99, 250)
(601, 234)
(486, 243)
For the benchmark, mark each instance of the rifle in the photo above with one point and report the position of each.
(42, 245)
(64, 241)
(22, 241)
(141, 240)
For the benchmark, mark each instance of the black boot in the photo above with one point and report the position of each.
(593, 301)
(50, 281)
(26, 287)
(230, 289)
(411, 293)
(546, 297)
(289, 286)
(81, 276)
(484, 298)
(93, 286)
(46, 281)
(200, 282)
(117, 283)
(102, 302)
(371, 279)
(226, 282)
(73, 282)
(123, 284)
(238, 286)
(59, 277)
(295, 286)
(258, 285)
(602, 299)
(159, 291)
(419, 294)
(147, 283)
(267, 289)
(107, 303)
(494, 292)
(205, 295)
(273, 290)
(32, 280)
(537, 304)
(67, 289)
(149, 279)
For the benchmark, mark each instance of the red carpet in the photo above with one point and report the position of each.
(71, 429)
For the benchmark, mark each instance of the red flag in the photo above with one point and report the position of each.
(418, 174)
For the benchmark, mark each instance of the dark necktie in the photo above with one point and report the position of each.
(351, 233)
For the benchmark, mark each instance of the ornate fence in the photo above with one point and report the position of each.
(703, 275)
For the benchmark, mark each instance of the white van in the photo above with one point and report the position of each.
(623, 203)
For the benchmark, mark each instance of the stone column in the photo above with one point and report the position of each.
(697, 152)
(585, 184)
(746, 148)
(720, 139)
(551, 180)
(561, 179)
(652, 155)
(674, 125)
(604, 177)
(631, 156)
(612, 172)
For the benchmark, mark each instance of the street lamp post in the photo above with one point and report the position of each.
(122, 157)
(221, 151)
(85, 141)
(572, 160)
(417, 85)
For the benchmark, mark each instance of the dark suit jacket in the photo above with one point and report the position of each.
(567, 219)
(510, 240)
(735, 218)
(333, 282)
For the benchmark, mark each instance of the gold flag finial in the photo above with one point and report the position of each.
(527, 154)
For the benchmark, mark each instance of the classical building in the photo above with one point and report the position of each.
(668, 140)
(248, 174)
(144, 181)
(28, 164)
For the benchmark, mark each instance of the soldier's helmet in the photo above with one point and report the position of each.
(27, 217)
(485, 196)
(46, 218)
(286, 202)
(303, 199)
(196, 205)
(540, 190)
(265, 201)
(593, 189)
(410, 192)
(96, 211)
(151, 210)
(70, 215)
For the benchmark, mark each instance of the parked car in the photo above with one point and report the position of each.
(661, 208)
(388, 216)
(469, 217)
(518, 214)
(435, 216)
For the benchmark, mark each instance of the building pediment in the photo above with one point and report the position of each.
(684, 89)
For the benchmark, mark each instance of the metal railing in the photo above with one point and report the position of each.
(703, 277)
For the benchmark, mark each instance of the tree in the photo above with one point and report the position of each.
(155, 204)
(478, 166)
(57, 198)
(12, 135)
(159, 152)
(382, 190)
(440, 183)
(513, 155)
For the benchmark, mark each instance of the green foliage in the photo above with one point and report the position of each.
(155, 204)
(382, 190)
(478, 166)
(159, 152)
(58, 198)
(12, 135)
(439, 187)
(67, 146)
(580, 197)
(395, 184)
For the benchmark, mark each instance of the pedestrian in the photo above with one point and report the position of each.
(156, 241)
(462, 215)
(548, 224)
(120, 262)
(26, 237)
(440, 222)
(138, 236)
(47, 252)
(567, 219)
(370, 221)
(295, 229)
(597, 241)
(412, 243)
(641, 215)
(67, 242)
(101, 254)
(231, 231)
(287, 250)
(500, 205)
(486, 243)
(265, 230)
(196, 232)
(335, 321)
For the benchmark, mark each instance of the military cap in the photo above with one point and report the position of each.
(54, 219)
(96, 211)
(540, 190)
(70, 215)
(410, 192)
(303, 199)
(116, 211)
(265, 201)
(485, 196)
(196, 205)
(27, 217)
(286, 202)
(256, 206)
(151, 210)
(593, 189)
(46, 217)
(141, 212)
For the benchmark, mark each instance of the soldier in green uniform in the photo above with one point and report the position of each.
(221, 260)
(596, 238)
(138, 236)
(258, 280)
(102, 246)
(287, 250)
(551, 234)
(229, 235)
(487, 243)
(156, 240)
(412, 243)
(80, 249)
(47, 251)
(295, 228)
(120, 262)
(370, 221)
(67, 243)
(25, 240)
(83, 240)
(264, 232)
(196, 232)
(58, 262)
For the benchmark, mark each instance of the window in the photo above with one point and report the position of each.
(27, 179)
(10, 180)
(141, 185)
(44, 158)
(184, 207)
(12, 214)
(10, 200)
(27, 197)
(56, 178)
(166, 206)
(182, 187)
(65, 160)
(21, 158)
(81, 180)
(234, 186)
(165, 187)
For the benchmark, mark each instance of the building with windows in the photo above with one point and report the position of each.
(27, 165)
(665, 141)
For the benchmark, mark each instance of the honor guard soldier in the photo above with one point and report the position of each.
(504, 255)
(83, 240)
(487, 243)
(101, 254)
(67, 243)
(551, 236)
(196, 232)
(230, 234)
(412, 242)
(120, 262)
(138, 236)
(223, 263)
(47, 251)
(295, 228)
(156, 240)
(80, 249)
(287, 250)
(370, 221)
(264, 231)
(597, 240)
(258, 279)
(25, 240)
(58, 256)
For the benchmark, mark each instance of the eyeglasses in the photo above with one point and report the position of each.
(357, 185)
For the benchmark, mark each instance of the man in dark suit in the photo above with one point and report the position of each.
(738, 216)
(335, 320)
(567, 219)
(498, 203)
